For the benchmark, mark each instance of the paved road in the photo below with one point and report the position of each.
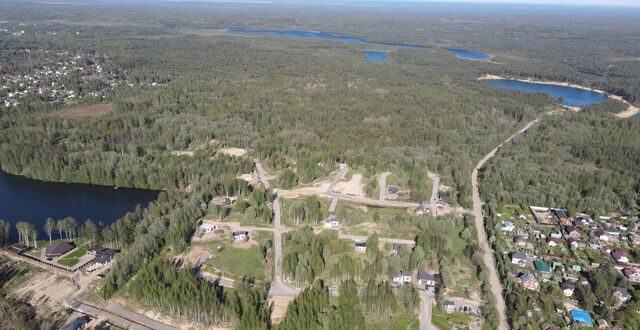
(426, 296)
(434, 195)
(489, 259)
(278, 287)
(381, 239)
(343, 170)
(262, 175)
(383, 185)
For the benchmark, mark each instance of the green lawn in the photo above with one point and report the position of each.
(440, 319)
(237, 262)
(73, 258)
(398, 321)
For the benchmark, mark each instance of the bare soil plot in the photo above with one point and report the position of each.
(238, 152)
(83, 111)
(45, 291)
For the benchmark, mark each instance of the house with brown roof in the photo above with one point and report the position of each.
(57, 249)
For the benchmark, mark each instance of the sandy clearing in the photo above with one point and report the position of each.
(280, 304)
(83, 111)
(238, 152)
(183, 153)
(630, 112)
(45, 290)
(353, 187)
(443, 187)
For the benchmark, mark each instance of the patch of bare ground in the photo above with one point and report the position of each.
(238, 152)
(280, 304)
(354, 187)
(83, 111)
(45, 291)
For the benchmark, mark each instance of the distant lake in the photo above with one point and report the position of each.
(573, 97)
(33, 201)
(376, 56)
(468, 55)
(320, 35)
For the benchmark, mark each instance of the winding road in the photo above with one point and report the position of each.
(487, 252)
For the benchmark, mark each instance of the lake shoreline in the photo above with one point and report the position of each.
(630, 112)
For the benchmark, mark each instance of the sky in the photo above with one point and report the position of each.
(635, 3)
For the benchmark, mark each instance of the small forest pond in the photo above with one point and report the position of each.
(23, 199)
(468, 55)
(573, 97)
(320, 35)
(376, 56)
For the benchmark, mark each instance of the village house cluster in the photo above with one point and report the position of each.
(551, 247)
(62, 78)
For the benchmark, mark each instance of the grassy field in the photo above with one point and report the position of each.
(72, 258)
(237, 262)
(399, 321)
(442, 320)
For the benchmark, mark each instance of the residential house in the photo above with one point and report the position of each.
(57, 249)
(206, 228)
(567, 289)
(449, 306)
(634, 239)
(396, 247)
(571, 231)
(576, 268)
(632, 275)
(622, 294)
(518, 258)
(573, 243)
(528, 281)
(552, 242)
(613, 233)
(360, 247)
(542, 267)
(102, 257)
(331, 223)
(240, 235)
(507, 226)
(601, 235)
(522, 216)
(403, 277)
(556, 235)
(562, 215)
(603, 324)
(421, 209)
(393, 190)
(520, 241)
(619, 256)
(426, 279)
(583, 281)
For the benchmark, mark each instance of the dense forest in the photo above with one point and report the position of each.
(586, 162)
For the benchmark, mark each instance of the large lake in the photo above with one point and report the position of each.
(33, 201)
(573, 97)
(320, 35)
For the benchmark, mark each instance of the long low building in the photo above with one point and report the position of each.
(57, 249)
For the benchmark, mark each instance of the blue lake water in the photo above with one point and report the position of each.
(33, 201)
(320, 35)
(468, 55)
(376, 56)
(573, 97)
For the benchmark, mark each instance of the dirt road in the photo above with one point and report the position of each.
(488, 257)
(434, 196)
(278, 287)
(263, 176)
(343, 170)
(383, 184)
(426, 296)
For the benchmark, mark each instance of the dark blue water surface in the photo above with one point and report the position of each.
(376, 56)
(468, 55)
(33, 201)
(320, 35)
(573, 97)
